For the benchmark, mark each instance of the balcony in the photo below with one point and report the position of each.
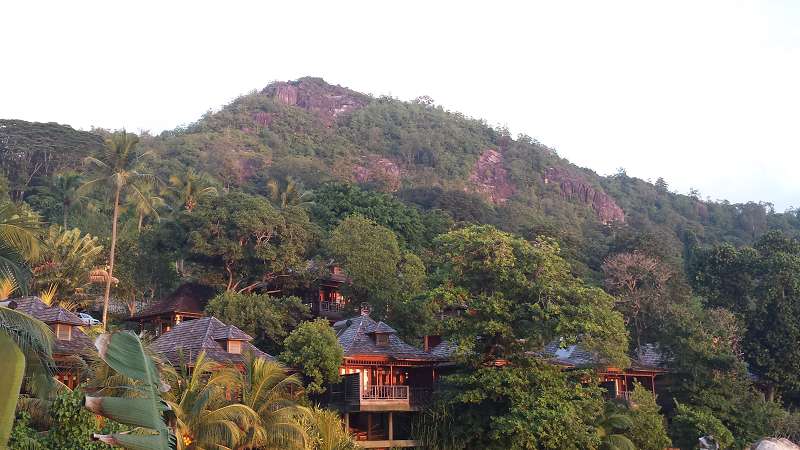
(353, 396)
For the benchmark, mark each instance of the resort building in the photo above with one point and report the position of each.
(385, 381)
(222, 343)
(188, 302)
(71, 343)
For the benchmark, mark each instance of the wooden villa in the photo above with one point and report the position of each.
(325, 298)
(385, 381)
(188, 302)
(71, 343)
(646, 367)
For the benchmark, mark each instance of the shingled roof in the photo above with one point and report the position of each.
(356, 336)
(188, 298)
(188, 339)
(35, 307)
(649, 358)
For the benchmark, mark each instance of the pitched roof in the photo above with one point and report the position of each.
(79, 342)
(35, 307)
(648, 358)
(188, 298)
(355, 338)
(188, 339)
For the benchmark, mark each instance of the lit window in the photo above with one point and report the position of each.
(63, 332)
(235, 347)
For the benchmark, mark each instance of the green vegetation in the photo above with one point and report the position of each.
(258, 197)
(313, 349)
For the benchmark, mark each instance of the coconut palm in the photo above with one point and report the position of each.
(147, 204)
(324, 431)
(18, 240)
(292, 194)
(206, 416)
(65, 188)
(191, 188)
(271, 392)
(118, 167)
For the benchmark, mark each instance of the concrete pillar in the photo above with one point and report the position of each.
(391, 426)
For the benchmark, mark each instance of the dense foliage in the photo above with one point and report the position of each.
(313, 349)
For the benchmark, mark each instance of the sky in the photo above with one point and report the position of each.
(705, 94)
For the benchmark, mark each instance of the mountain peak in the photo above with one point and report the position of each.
(315, 95)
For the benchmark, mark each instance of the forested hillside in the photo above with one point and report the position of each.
(430, 214)
(419, 153)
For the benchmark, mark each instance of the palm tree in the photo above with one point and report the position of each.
(191, 188)
(147, 204)
(118, 167)
(271, 392)
(65, 188)
(292, 194)
(324, 431)
(200, 399)
(18, 240)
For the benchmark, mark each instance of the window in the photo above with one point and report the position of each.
(63, 332)
(381, 339)
(235, 347)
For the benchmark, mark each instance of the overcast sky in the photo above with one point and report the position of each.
(703, 93)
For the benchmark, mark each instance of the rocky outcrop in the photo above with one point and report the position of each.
(775, 444)
(576, 188)
(378, 170)
(324, 100)
(490, 178)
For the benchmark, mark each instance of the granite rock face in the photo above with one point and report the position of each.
(490, 178)
(576, 188)
(775, 444)
(324, 100)
(379, 170)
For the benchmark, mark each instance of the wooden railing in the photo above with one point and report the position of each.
(385, 392)
(330, 306)
(624, 395)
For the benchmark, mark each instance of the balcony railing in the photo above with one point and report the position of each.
(330, 306)
(624, 395)
(385, 392)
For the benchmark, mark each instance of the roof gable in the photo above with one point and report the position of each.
(35, 307)
(356, 338)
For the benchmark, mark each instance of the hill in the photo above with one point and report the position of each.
(420, 153)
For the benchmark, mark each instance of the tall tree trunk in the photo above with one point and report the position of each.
(65, 211)
(111, 256)
(141, 218)
(12, 366)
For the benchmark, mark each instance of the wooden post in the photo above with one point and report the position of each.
(369, 426)
(391, 426)
(347, 422)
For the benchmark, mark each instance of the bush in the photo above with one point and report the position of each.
(313, 349)
(648, 430)
(690, 424)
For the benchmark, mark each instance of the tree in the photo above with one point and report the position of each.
(248, 239)
(639, 282)
(518, 296)
(117, 166)
(378, 269)
(648, 427)
(205, 417)
(324, 431)
(19, 241)
(66, 259)
(611, 430)
(146, 204)
(65, 189)
(690, 424)
(272, 393)
(268, 319)
(528, 405)
(292, 193)
(191, 188)
(314, 350)
(760, 284)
